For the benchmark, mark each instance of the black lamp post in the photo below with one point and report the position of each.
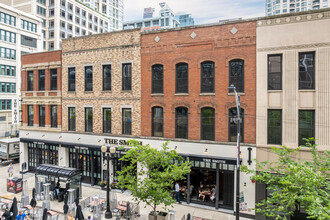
(232, 88)
(104, 149)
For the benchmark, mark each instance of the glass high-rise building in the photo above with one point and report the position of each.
(275, 7)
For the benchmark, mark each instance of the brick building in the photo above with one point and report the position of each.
(41, 104)
(186, 73)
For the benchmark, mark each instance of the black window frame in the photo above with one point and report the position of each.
(157, 122)
(106, 125)
(71, 119)
(72, 79)
(179, 82)
(42, 117)
(106, 80)
(88, 121)
(53, 79)
(235, 126)
(41, 80)
(271, 128)
(30, 80)
(53, 116)
(177, 127)
(233, 81)
(302, 87)
(30, 115)
(127, 80)
(127, 129)
(202, 125)
(269, 78)
(300, 141)
(88, 79)
(157, 81)
(211, 78)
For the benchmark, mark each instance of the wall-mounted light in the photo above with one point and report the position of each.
(78, 139)
(61, 158)
(43, 136)
(176, 148)
(27, 134)
(245, 186)
(60, 137)
(206, 151)
(249, 160)
(99, 141)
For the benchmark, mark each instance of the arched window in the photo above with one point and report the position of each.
(233, 120)
(181, 79)
(157, 78)
(207, 77)
(157, 122)
(236, 74)
(207, 123)
(181, 122)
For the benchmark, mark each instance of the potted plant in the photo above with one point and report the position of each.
(103, 183)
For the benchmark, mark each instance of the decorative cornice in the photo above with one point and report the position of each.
(103, 49)
(294, 19)
(295, 47)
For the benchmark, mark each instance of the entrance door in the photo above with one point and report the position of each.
(228, 189)
(84, 164)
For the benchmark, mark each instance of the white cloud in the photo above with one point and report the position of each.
(204, 11)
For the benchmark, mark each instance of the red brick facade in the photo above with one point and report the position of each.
(218, 43)
(35, 62)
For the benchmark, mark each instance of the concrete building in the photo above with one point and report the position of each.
(275, 7)
(20, 33)
(186, 73)
(293, 83)
(69, 18)
(166, 19)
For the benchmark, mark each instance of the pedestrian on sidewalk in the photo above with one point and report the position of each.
(10, 169)
(177, 192)
(6, 215)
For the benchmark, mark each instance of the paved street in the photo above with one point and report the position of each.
(89, 191)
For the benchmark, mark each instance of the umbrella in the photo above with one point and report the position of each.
(128, 210)
(188, 216)
(33, 202)
(14, 209)
(45, 214)
(79, 214)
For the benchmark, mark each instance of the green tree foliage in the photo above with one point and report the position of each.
(151, 174)
(293, 181)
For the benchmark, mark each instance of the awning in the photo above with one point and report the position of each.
(58, 171)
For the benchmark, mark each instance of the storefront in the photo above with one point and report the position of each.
(41, 153)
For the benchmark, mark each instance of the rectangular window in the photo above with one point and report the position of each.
(30, 115)
(88, 78)
(127, 76)
(106, 77)
(72, 79)
(7, 19)
(107, 120)
(53, 79)
(41, 80)
(72, 118)
(53, 115)
(29, 80)
(127, 121)
(307, 70)
(89, 119)
(274, 126)
(275, 72)
(41, 116)
(306, 125)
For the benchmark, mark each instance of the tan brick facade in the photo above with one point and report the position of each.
(111, 48)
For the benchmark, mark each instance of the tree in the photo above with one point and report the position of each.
(151, 173)
(295, 182)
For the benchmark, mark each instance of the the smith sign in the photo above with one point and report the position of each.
(118, 142)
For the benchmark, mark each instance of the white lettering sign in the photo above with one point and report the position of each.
(15, 112)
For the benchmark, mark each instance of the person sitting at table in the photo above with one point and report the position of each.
(213, 194)
(201, 192)
(57, 189)
(22, 216)
(70, 217)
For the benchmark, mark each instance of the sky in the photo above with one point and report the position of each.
(204, 11)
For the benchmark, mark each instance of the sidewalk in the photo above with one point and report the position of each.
(88, 191)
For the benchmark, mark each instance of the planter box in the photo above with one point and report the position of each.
(160, 216)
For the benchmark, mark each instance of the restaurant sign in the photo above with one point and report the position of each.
(118, 141)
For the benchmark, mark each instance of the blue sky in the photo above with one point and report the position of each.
(204, 11)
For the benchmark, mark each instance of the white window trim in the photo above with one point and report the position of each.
(126, 106)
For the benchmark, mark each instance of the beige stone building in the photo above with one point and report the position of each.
(117, 51)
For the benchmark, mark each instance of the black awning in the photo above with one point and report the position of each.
(53, 170)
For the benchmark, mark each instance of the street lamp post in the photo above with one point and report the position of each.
(232, 88)
(104, 149)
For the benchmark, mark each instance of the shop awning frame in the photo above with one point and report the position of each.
(58, 171)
